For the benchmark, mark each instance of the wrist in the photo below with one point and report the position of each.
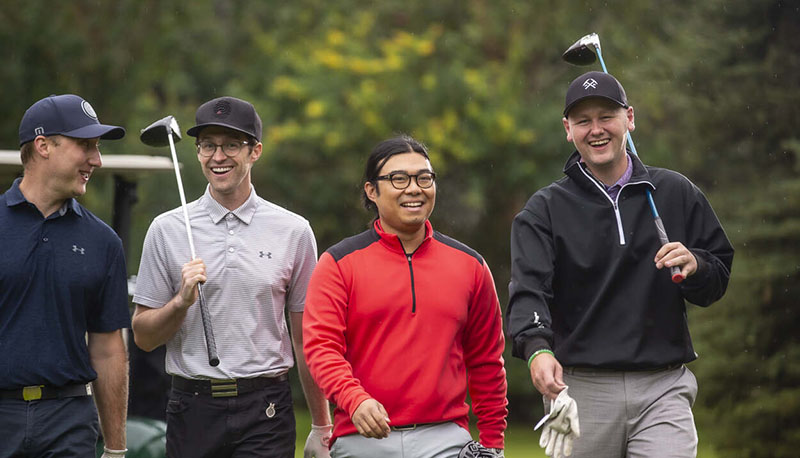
(539, 352)
(114, 453)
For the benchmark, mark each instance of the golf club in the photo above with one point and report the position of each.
(159, 134)
(584, 52)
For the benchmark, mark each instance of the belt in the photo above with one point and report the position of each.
(411, 427)
(42, 392)
(583, 369)
(227, 387)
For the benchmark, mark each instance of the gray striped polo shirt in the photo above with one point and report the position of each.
(259, 259)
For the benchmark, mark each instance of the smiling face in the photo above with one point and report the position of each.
(70, 164)
(228, 176)
(598, 127)
(403, 212)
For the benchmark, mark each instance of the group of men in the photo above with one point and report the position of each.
(396, 325)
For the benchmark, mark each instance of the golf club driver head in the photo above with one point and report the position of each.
(156, 134)
(583, 51)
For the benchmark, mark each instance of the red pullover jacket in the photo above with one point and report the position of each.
(411, 331)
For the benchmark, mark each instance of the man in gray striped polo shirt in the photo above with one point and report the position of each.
(255, 260)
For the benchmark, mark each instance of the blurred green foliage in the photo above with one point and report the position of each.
(714, 83)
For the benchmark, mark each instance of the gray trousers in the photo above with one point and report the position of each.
(641, 414)
(442, 440)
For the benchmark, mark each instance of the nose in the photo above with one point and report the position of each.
(596, 128)
(95, 158)
(218, 150)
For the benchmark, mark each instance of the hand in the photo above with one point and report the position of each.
(547, 375)
(371, 419)
(317, 443)
(675, 254)
(561, 426)
(192, 273)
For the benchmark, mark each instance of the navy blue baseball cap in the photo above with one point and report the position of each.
(67, 115)
(595, 84)
(229, 112)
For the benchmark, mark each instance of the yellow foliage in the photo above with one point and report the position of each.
(335, 37)
(329, 58)
(285, 86)
(315, 109)
(428, 81)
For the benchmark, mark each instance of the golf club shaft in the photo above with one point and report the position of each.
(675, 271)
(211, 343)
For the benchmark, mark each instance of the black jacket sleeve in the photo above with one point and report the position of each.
(530, 289)
(714, 253)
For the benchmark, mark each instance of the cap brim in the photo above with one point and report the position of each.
(593, 96)
(193, 131)
(97, 131)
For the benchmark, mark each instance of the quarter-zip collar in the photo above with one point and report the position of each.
(392, 241)
(639, 176)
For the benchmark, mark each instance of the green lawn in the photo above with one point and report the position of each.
(521, 441)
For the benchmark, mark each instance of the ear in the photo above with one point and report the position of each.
(566, 128)
(371, 191)
(629, 115)
(256, 153)
(41, 147)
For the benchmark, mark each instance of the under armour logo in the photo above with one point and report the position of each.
(590, 83)
(38, 131)
(268, 254)
(77, 249)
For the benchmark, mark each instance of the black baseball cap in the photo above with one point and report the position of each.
(229, 112)
(68, 115)
(595, 84)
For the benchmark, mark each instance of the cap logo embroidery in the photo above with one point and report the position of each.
(222, 108)
(590, 83)
(38, 131)
(88, 110)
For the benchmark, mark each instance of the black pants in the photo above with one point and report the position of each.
(241, 426)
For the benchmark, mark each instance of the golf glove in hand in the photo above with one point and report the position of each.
(474, 449)
(317, 442)
(561, 426)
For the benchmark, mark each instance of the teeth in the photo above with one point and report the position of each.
(598, 142)
(85, 175)
(220, 169)
(411, 204)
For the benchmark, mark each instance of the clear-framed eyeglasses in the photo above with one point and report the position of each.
(231, 148)
(401, 180)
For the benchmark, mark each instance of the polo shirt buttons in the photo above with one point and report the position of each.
(45, 239)
(230, 232)
(230, 250)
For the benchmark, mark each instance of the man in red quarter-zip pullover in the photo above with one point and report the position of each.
(401, 320)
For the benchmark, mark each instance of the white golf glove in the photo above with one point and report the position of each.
(561, 426)
(317, 442)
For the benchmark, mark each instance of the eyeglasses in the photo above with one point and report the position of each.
(401, 180)
(231, 148)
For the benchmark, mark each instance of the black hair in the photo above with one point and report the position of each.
(380, 154)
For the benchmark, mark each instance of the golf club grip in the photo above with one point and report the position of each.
(675, 271)
(211, 343)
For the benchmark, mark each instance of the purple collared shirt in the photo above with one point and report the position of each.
(614, 189)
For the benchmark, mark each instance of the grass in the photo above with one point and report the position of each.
(521, 441)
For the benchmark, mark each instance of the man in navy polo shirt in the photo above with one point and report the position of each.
(62, 275)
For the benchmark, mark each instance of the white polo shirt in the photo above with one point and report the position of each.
(259, 259)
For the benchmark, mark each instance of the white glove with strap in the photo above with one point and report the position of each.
(561, 426)
(317, 442)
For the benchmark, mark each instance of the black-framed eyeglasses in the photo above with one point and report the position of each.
(401, 180)
(231, 148)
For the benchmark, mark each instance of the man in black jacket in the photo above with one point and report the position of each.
(591, 302)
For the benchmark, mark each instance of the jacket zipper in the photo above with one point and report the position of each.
(413, 290)
(617, 214)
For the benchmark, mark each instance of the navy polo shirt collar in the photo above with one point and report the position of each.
(15, 197)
